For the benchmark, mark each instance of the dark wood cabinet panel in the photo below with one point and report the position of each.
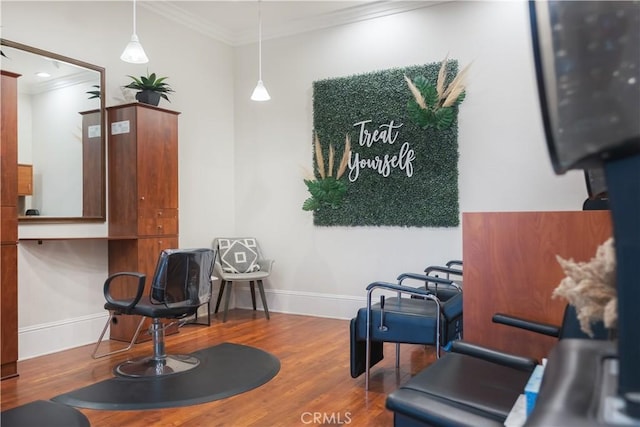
(157, 158)
(9, 225)
(93, 185)
(143, 196)
(9, 312)
(25, 180)
(9, 146)
(157, 222)
(510, 267)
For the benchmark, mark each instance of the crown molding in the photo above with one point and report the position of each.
(370, 10)
(173, 12)
(61, 82)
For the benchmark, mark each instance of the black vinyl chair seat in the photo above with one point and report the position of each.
(145, 307)
(450, 383)
(410, 321)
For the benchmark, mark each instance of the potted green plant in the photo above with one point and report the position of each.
(94, 93)
(150, 88)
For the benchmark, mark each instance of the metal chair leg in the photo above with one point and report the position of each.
(195, 319)
(220, 292)
(133, 340)
(264, 299)
(226, 302)
(252, 287)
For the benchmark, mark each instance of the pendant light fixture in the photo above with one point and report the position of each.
(134, 53)
(260, 92)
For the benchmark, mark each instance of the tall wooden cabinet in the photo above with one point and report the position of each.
(92, 155)
(9, 224)
(143, 195)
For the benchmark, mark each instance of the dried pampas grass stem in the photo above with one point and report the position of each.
(442, 76)
(416, 93)
(319, 158)
(331, 154)
(346, 155)
(591, 287)
(457, 83)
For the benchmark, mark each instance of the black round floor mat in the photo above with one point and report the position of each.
(225, 370)
(43, 413)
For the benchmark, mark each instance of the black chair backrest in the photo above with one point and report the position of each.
(571, 326)
(183, 277)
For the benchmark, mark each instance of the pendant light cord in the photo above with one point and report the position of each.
(259, 41)
(134, 16)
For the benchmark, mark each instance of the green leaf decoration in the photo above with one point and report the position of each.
(325, 192)
(310, 204)
(430, 96)
(461, 98)
(429, 198)
(438, 113)
(444, 117)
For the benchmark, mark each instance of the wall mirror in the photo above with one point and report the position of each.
(61, 137)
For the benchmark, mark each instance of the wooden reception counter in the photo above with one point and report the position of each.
(510, 267)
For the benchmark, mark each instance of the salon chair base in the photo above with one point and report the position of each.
(160, 363)
(152, 367)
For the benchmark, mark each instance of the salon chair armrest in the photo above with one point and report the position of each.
(128, 303)
(454, 262)
(440, 269)
(429, 279)
(494, 356)
(538, 327)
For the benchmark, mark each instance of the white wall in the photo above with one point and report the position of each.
(503, 164)
(60, 283)
(234, 178)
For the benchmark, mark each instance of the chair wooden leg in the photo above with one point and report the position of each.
(264, 299)
(226, 301)
(252, 287)
(220, 292)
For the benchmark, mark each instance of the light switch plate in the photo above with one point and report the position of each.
(93, 131)
(120, 127)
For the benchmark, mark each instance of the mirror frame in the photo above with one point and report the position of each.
(102, 217)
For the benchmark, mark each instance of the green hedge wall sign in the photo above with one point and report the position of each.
(386, 149)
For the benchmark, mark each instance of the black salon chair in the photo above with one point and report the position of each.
(424, 319)
(473, 385)
(181, 284)
(452, 271)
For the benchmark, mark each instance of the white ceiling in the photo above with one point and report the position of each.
(236, 22)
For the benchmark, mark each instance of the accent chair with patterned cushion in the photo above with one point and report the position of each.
(239, 260)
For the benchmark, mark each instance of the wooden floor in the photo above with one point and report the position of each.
(313, 381)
